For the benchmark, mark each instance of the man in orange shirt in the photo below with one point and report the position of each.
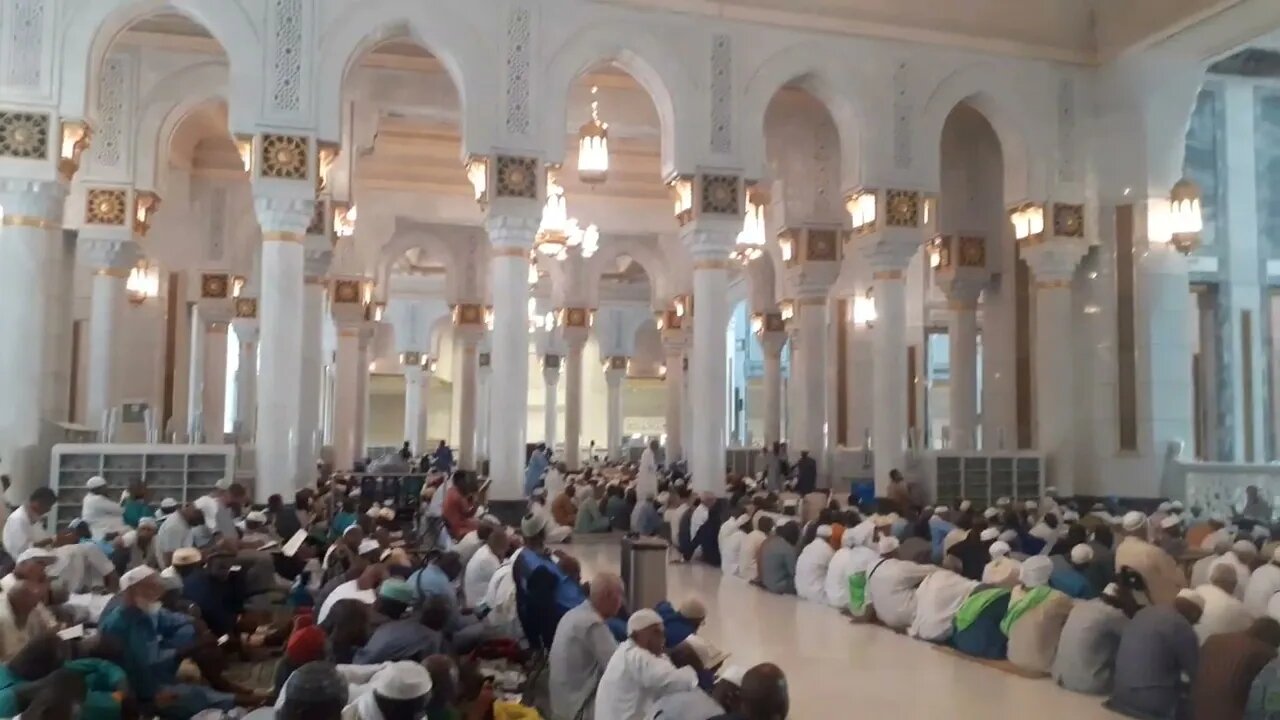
(458, 510)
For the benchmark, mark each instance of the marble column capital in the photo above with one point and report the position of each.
(283, 217)
(510, 234)
(812, 279)
(710, 241)
(614, 376)
(889, 251)
(575, 337)
(1054, 260)
(108, 255)
(963, 288)
(246, 330)
(551, 376)
(413, 374)
(27, 201)
(317, 255)
(772, 342)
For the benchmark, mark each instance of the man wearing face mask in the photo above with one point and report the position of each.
(153, 642)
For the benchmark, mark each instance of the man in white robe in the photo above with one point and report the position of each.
(938, 599)
(854, 555)
(83, 566)
(730, 537)
(1223, 612)
(1240, 557)
(1264, 583)
(811, 566)
(891, 587)
(639, 674)
(749, 553)
(482, 565)
(104, 515)
(647, 474)
(1002, 570)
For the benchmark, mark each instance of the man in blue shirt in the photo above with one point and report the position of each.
(533, 471)
(442, 460)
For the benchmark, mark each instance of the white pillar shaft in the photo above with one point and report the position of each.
(345, 399)
(311, 379)
(509, 381)
(106, 302)
(247, 388)
(413, 408)
(423, 441)
(1055, 397)
(480, 431)
(466, 379)
(813, 376)
(613, 418)
(362, 397)
(709, 377)
(963, 338)
(549, 413)
(195, 379)
(889, 426)
(279, 370)
(1166, 340)
(772, 392)
(573, 405)
(215, 383)
(675, 394)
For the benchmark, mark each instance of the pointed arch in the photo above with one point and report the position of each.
(644, 251)
(163, 108)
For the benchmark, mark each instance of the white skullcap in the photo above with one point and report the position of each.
(859, 535)
(1176, 506)
(887, 544)
(95, 482)
(991, 513)
(1112, 590)
(135, 576)
(999, 549)
(1081, 554)
(1170, 521)
(168, 504)
(402, 680)
(941, 509)
(965, 506)
(1244, 547)
(1164, 507)
(709, 655)
(129, 539)
(224, 483)
(257, 516)
(1133, 521)
(1051, 490)
(539, 491)
(1193, 596)
(1002, 501)
(732, 674)
(1009, 535)
(1035, 571)
(989, 535)
(367, 545)
(824, 531)
(147, 522)
(373, 511)
(354, 493)
(1098, 507)
(1070, 516)
(1030, 505)
(790, 503)
(39, 555)
(186, 556)
(642, 619)
(387, 503)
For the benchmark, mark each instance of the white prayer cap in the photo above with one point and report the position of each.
(732, 674)
(367, 545)
(1002, 501)
(1133, 521)
(1244, 547)
(1051, 491)
(709, 655)
(999, 549)
(1112, 590)
(1070, 516)
(129, 539)
(147, 522)
(641, 620)
(859, 535)
(1170, 521)
(1081, 554)
(1035, 571)
(387, 513)
(991, 512)
(168, 504)
(387, 503)
(355, 493)
(135, 576)
(1030, 505)
(372, 512)
(965, 506)
(1176, 506)
(790, 503)
(1196, 598)
(1098, 507)
(95, 482)
(939, 510)
(186, 556)
(257, 516)
(533, 524)
(887, 544)
(1164, 507)
(402, 680)
(539, 491)
(224, 483)
(824, 531)
(989, 535)
(39, 555)
(1009, 535)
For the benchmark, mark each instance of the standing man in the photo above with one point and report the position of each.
(1255, 508)
(533, 471)
(647, 476)
(901, 492)
(806, 474)
(443, 458)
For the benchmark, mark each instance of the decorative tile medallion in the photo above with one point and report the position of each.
(516, 177)
(902, 208)
(617, 362)
(105, 207)
(823, 246)
(346, 291)
(24, 135)
(215, 286)
(973, 252)
(486, 359)
(720, 194)
(1068, 220)
(551, 362)
(410, 359)
(468, 315)
(247, 308)
(284, 157)
(576, 317)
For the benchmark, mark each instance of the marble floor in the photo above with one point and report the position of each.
(837, 669)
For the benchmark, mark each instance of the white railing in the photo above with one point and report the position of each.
(1218, 487)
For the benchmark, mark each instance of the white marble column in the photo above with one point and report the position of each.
(465, 369)
(550, 404)
(196, 378)
(962, 335)
(346, 398)
(106, 304)
(674, 352)
(280, 304)
(812, 375)
(413, 381)
(708, 377)
(246, 378)
(312, 379)
(424, 427)
(215, 382)
(29, 235)
(1165, 346)
(889, 427)
(481, 433)
(613, 377)
(771, 342)
(511, 238)
(362, 391)
(576, 338)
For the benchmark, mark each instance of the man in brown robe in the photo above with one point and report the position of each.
(1229, 662)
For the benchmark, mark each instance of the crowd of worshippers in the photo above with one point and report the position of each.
(138, 608)
(1170, 615)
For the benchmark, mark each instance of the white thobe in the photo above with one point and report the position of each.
(1242, 572)
(845, 563)
(811, 570)
(553, 481)
(730, 546)
(635, 679)
(1263, 585)
(1223, 613)
(891, 590)
(747, 567)
(1200, 570)
(700, 515)
(647, 475)
(938, 599)
(348, 590)
(103, 515)
(475, 579)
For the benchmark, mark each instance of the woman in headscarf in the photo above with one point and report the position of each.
(1036, 614)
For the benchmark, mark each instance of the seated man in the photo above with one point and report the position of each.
(1086, 657)
(1035, 617)
(1229, 663)
(1002, 570)
(1223, 613)
(723, 699)
(483, 564)
(1157, 649)
(758, 530)
(459, 509)
(778, 560)
(811, 566)
(142, 550)
(563, 509)
(938, 599)
(219, 607)
(179, 530)
(400, 690)
(645, 518)
(681, 623)
(891, 586)
(1242, 556)
(977, 630)
(556, 533)
(415, 638)
(639, 674)
(1069, 577)
(83, 566)
(21, 618)
(363, 588)
(582, 648)
(104, 515)
(152, 648)
(591, 518)
(315, 691)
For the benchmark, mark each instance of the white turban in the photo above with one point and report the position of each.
(1081, 554)
(991, 513)
(1036, 571)
(859, 535)
(1133, 521)
(887, 544)
(1170, 521)
(965, 506)
(1002, 501)
(999, 549)
(95, 482)
(642, 619)
(1164, 507)
(824, 531)
(1196, 598)
(1244, 548)
(402, 680)
(989, 535)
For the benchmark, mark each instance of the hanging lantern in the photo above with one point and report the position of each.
(1028, 221)
(552, 234)
(593, 146)
(750, 242)
(1186, 221)
(143, 283)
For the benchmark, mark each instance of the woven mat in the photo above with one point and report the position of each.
(1001, 665)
